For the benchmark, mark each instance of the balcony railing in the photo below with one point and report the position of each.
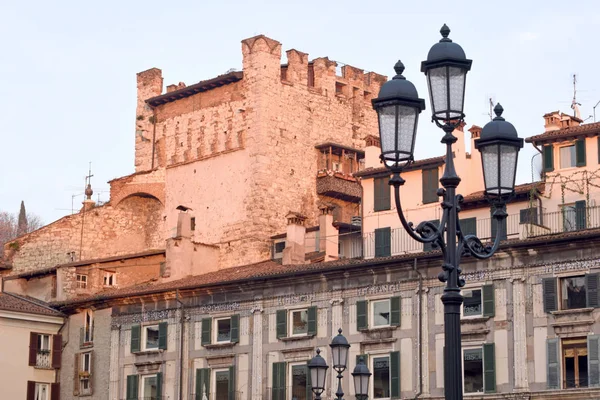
(43, 359)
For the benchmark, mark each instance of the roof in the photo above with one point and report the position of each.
(272, 269)
(338, 146)
(415, 165)
(566, 133)
(524, 189)
(26, 304)
(191, 90)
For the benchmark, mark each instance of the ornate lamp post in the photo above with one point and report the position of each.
(318, 370)
(339, 349)
(361, 376)
(398, 107)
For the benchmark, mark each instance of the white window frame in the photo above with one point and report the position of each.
(291, 321)
(290, 377)
(215, 332)
(560, 156)
(143, 386)
(214, 381)
(372, 312)
(81, 283)
(88, 331)
(107, 277)
(39, 387)
(372, 358)
(45, 345)
(560, 294)
(462, 308)
(145, 337)
(82, 368)
(478, 347)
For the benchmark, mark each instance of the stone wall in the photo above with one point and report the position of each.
(134, 225)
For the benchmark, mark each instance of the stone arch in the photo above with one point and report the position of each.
(153, 190)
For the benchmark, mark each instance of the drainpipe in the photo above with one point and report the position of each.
(153, 135)
(419, 330)
(181, 339)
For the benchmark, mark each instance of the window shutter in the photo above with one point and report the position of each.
(468, 226)
(553, 371)
(549, 289)
(591, 290)
(580, 153)
(206, 331)
(528, 215)
(92, 375)
(489, 368)
(132, 387)
(81, 334)
(136, 331)
(309, 393)
(76, 367)
(548, 158)
(395, 374)
(158, 386)
(395, 311)
(231, 383)
(163, 330)
(281, 322)
(278, 388)
(430, 185)
(495, 226)
(33, 342)
(55, 391)
(383, 239)
(594, 360)
(361, 315)
(56, 350)
(381, 190)
(312, 320)
(202, 383)
(580, 217)
(30, 390)
(429, 246)
(487, 292)
(235, 328)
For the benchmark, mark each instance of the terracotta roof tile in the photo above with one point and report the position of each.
(566, 133)
(418, 164)
(26, 304)
(519, 189)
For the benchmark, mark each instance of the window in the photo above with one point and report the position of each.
(216, 384)
(567, 156)
(42, 391)
(574, 216)
(548, 157)
(299, 382)
(298, 322)
(278, 249)
(226, 330)
(41, 354)
(575, 362)
(472, 302)
(430, 184)
(110, 278)
(85, 371)
(381, 192)
(81, 281)
(381, 377)
(572, 293)
(193, 224)
(88, 328)
(146, 387)
(222, 385)
(528, 216)
(383, 242)
(150, 339)
(150, 387)
(385, 378)
(223, 331)
(381, 312)
(44, 343)
(479, 375)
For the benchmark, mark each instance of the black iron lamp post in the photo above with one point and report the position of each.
(339, 349)
(398, 107)
(318, 370)
(361, 376)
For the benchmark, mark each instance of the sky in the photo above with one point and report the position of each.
(69, 71)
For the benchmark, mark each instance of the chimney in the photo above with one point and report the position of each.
(372, 152)
(184, 225)
(328, 234)
(294, 252)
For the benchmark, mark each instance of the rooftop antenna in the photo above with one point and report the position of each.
(491, 113)
(595, 110)
(574, 104)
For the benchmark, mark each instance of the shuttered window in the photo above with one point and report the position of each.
(593, 347)
(33, 348)
(206, 331)
(281, 322)
(553, 364)
(361, 315)
(162, 335)
(235, 328)
(395, 311)
(528, 215)
(202, 383)
(395, 374)
(383, 242)
(468, 226)
(231, 392)
(580, 153)
(136, 333)
(548, 155)
(549, 287)
(592, 282)
(488, 300)
(489, 368)
(381, 194)
(580, 215)
(132, 387)
(279, 381)
(430, 182)
(56, 351)
(312, 321)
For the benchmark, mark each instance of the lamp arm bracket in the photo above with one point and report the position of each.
(476, 248)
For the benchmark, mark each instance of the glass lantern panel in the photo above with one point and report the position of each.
(407, 117)
(313, 377)
(508, 164)
(438, 90)
(457, 91)
(335, 355)
(387, 128)
(489, 157)
(365, 384)
(343, 356)
(321, 377)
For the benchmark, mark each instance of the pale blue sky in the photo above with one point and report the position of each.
(68, 70)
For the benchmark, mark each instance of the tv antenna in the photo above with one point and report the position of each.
(574, 104)
(491, 113)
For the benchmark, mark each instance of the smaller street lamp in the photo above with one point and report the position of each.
(361, 376)
(318, 370)
(339, 349)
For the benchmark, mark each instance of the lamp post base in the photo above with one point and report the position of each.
(453, 387)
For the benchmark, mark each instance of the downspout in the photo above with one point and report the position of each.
(419, 330)
(153, 135)
(181, 338)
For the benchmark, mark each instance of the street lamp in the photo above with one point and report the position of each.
(318, 370)
(446, 68)
(361, 376)
(339, 349)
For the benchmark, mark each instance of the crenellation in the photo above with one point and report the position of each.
(297, 67)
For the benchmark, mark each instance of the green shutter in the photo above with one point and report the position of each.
(278, 388)
(235, 328)
(580, 153)
(231, 383)
(158, 386)
(553, 364)
(309, 392)
(395, 311)
(361, 315)
(136, 331)
(548, 155)
(528, 215)
(580, 214)
(489, 368)
(383, 239)
(549, 294)
(381, 190)
(468, 226)
(206, 331)
(202, 383)
(591, 290)
(132, 387)
(163, 329)
(430, 185)
(312, 320)
(395, 374)
(593, 345)
(281, 321)
(487, 293)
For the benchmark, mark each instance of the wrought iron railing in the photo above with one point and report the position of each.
(43, 359)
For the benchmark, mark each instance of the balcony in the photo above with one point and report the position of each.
(43, 359)
(338, 185)
(336, 164)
